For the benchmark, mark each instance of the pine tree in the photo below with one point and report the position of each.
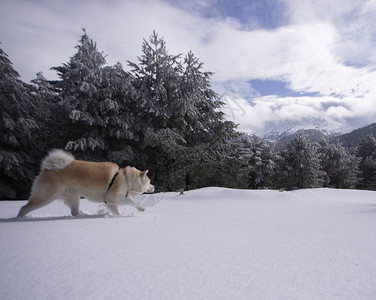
(178, 94)
(45, 88)
(180, 109)
(80, 85)
(339, 164)
(262, 164)
(367, 153)
(48, 97)
(99, 104)
(300, 166)
(206, 129)
(20, 132)
(258, 162)
(126, 130)
(199, 106)
(157, 76)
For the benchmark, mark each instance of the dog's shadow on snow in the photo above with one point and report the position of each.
(63, 218)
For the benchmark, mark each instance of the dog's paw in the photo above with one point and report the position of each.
(140, 208)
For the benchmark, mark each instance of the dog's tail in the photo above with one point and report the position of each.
(57, 159)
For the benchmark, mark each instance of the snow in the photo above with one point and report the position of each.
(212, 243)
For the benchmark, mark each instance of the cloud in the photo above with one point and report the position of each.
(267, 114)
(353, 20)
(325, 50)
(38, 35)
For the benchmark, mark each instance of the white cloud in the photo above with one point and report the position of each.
(272, 113)
(314, 55)
(353, 20)
(38, 35)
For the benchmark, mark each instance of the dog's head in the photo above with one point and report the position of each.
(146, 187)
(138, 181)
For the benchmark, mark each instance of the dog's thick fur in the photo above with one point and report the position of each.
(64, 177)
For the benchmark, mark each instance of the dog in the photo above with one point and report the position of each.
(64, 177)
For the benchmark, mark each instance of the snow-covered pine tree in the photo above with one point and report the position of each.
(20, 132)
(181, 110)
(80, 84)
(241, 154)
(300, 167)
(48, 96)
(45, 88)
(157, 74)
(367, 153)
(159, 80)
(262, 164)
(257, 160)
(205, 129)
(199, 106)
(339, 164)
(99, 105)
(126, 125)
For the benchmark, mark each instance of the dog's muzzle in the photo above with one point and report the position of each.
(151, 189)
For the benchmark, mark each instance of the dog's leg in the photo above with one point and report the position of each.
(114, 209)
(33, 204)
(112, 204)
(73, 202)
(134, 204)
(120, 200)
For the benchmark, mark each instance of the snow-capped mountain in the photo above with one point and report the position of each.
(348, 139)
(275, 131)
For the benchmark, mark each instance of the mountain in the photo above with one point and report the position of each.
(328, 128)
(349, 140)
(312, 135)
(353, 138)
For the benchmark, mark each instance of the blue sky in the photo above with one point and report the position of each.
(284, 63)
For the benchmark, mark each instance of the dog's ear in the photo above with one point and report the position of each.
(143, 173)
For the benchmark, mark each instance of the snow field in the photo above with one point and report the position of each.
(212, 243)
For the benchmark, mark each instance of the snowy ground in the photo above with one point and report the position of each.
(211, 243)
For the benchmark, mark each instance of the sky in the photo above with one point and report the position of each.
(278, 64)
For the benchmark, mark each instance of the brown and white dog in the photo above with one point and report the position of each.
(64, 177)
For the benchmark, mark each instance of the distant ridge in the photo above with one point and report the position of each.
(312, 135)
(348, 140)
(354, 137)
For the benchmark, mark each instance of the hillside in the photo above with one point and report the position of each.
(312, 135)
(212, 243)
(349, 140)
(353, 138)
